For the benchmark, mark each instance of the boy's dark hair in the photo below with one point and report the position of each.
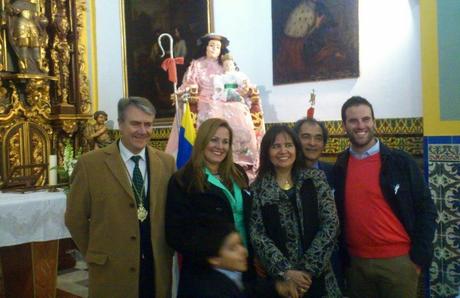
(353, 102)
(209, 235)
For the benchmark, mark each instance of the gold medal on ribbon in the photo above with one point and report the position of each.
(142, 213)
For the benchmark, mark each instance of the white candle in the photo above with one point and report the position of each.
(52, 170)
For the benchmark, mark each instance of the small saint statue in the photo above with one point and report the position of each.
(97, 133)
(27, 35)
(311, 109)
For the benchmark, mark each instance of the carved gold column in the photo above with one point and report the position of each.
(69, 56)
(73, 106)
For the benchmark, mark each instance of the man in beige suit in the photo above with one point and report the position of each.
(115, 210)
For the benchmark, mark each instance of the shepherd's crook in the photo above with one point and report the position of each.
(171, 53)
(171, 47)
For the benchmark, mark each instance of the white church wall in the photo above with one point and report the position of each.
(109, 56)
(390, 72)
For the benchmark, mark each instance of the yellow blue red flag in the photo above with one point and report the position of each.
(187, 136)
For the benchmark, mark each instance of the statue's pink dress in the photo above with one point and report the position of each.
(246, 144)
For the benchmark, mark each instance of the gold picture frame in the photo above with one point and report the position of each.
(142, 22)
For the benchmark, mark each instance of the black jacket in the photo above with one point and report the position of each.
(407, 194)
(327, 168)
(184, 210)
(209, 283)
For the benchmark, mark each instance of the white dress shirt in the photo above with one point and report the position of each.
(126, 157)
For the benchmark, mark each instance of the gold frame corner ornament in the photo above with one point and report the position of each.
(93, 65)
(124, 58)
(210, 15)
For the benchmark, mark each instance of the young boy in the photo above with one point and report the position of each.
(222, 259)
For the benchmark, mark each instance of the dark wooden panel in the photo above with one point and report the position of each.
(30, 270)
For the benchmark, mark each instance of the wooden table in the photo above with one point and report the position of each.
(30, 228)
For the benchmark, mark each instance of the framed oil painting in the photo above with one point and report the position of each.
(144, 21)
(314, 40)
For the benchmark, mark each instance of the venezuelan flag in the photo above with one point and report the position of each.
(187, 136)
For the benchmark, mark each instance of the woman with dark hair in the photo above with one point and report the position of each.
(199, 83)
(294, 223)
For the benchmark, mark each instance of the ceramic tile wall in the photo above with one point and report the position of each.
(443, 165)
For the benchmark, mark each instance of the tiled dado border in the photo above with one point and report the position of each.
(402, 133)
(442, 162)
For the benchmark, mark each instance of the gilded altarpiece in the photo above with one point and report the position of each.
(44, 88)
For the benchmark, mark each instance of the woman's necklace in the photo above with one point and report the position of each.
(285, 184)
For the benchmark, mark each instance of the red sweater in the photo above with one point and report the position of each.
(372, 229)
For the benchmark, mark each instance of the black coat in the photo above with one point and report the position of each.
(184, 210)
(407, 194)
(327, 168)
(209, 283)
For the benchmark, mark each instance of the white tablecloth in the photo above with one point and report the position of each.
(31, 217)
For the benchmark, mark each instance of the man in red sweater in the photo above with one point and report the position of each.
(386, 211)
